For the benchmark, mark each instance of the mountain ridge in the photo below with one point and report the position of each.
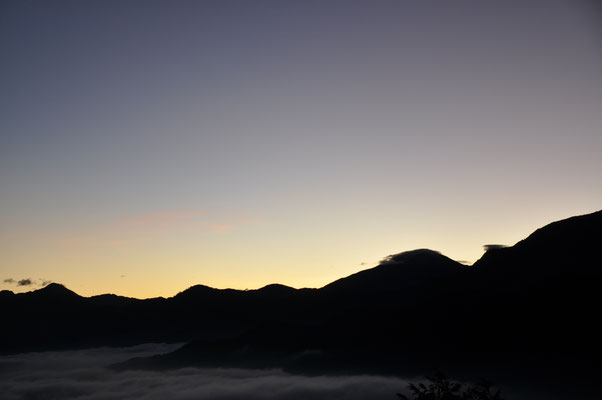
(413, 312)
(393, 260)
(397, 259)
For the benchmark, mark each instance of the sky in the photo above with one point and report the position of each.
(149, 146)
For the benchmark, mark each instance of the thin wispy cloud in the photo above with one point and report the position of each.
(27, 282)
(153, 225)
(162, 218)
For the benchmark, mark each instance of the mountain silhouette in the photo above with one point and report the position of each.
(528, 310)
(409, 269)
(55, 292)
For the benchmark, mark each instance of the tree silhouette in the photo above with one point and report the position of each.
(439, 387)
(482, 390)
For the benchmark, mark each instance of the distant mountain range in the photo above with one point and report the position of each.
(534, 306)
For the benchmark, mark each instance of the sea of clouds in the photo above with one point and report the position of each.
(83, 375)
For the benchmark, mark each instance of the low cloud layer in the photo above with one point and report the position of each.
(82, 375)
(27, 282)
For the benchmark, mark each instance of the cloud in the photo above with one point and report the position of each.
(219, 228)
(27, 282)
(160, 222)
(82, 374)
(401, 257)
(153, 225)
(488, 247)
(160, 219)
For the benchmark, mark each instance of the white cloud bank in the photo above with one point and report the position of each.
(83, 375)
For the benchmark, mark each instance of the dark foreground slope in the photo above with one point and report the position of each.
(528, 310)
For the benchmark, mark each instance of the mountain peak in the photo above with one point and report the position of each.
(579, 230)
(556, 246)
(55, 291)
(422, 255)
(55, 288)
(276, 288)
(196, 290)
(408, 268)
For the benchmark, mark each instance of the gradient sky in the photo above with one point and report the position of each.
(149, 146)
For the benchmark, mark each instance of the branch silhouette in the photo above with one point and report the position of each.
(439, 387)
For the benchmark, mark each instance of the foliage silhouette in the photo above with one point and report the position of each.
(482, 391)
(439, 387)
